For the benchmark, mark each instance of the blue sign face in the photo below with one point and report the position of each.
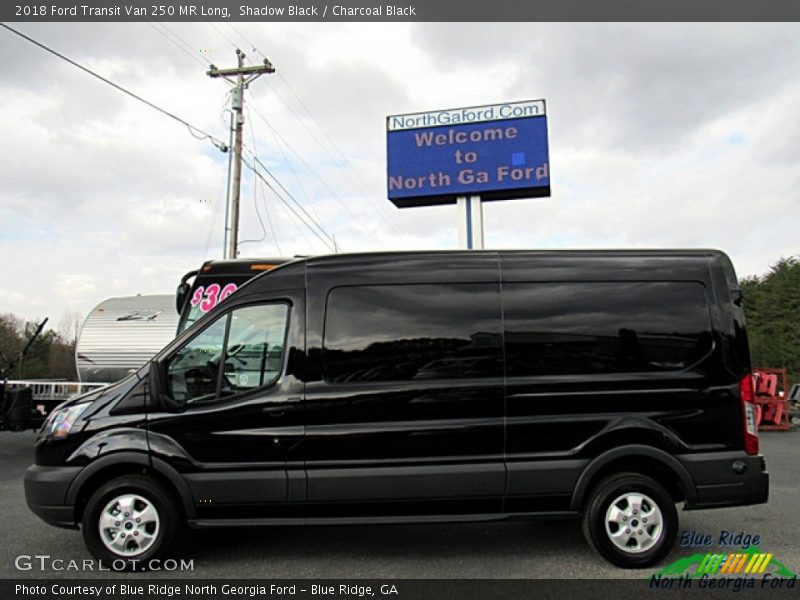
(498, 160)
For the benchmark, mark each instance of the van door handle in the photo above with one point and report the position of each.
(279, 412)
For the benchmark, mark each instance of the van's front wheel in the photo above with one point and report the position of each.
(129, 522)
(631, 520)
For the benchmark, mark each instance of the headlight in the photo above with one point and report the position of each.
(62, 420)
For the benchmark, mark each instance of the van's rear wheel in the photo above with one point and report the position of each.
(631, 520)
(129, 521)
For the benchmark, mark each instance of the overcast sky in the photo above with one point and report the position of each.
(661, 135)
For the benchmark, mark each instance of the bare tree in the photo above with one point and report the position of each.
(69, 326)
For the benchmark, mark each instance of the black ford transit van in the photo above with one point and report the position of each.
(429, 386)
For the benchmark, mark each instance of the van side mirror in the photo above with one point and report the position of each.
(159, 393)
(180, 296)
(182, 293)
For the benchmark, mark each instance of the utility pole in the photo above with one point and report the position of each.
(240, 77)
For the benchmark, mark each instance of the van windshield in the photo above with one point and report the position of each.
(205, 294)
(215, 281)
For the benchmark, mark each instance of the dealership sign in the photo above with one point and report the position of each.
(498, 152)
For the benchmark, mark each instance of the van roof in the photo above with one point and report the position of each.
(588, 264)
(644, 253)
(242, 265)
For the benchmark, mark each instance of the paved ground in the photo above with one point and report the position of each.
(505, 550)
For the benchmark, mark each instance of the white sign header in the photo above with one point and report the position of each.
(460, 116)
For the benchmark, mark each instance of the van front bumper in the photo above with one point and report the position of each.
(46, 493)
(726, 479)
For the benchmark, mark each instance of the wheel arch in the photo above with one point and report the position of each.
(645, 460)
(124, 463)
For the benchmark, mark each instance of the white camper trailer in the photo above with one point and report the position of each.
(121, 334)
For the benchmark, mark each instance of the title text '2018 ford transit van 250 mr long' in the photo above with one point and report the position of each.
(433, 386)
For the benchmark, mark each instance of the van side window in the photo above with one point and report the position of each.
(412, 332)
(248, 342)
(604, 327)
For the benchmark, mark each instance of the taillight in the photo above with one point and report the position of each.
(750, 410)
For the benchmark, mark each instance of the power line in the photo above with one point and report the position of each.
(182, 40)
(381, 209)
(224, 109)
(269, 222)
(288, 193)
(288, 164)
(177, 41)
(219, 31)
(241, 35)
(299, 229)
(297, 155)
(192, 129)
(287, 205)
(327, 242)
(242, 76)
(258, 216)
(264, 196)
(255, 205)
(284, 142)
(358, 180)
(288, 217)
(214, 212)
(292, 198)
(333, 144)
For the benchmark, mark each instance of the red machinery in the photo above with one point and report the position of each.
(773, 404)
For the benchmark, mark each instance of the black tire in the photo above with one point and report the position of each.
(159, 534)
(645, 544)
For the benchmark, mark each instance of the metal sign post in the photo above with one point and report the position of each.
(470, 222)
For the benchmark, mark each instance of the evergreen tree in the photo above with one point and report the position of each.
(772, 308)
